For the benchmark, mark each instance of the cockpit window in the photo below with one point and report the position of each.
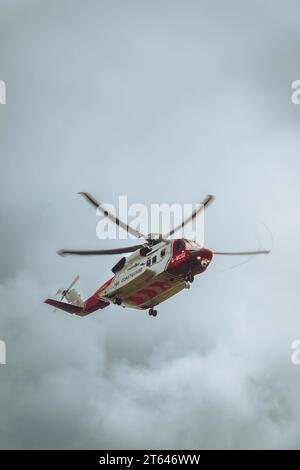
(179, 245)
(191, 244)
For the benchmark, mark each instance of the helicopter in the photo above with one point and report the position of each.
(153, 272)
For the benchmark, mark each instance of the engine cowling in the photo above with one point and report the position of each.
(120, 265)
(145, 250)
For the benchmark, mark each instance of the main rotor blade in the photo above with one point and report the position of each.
(112, 217)
(204, 204)
(113, 251)
(242, 253)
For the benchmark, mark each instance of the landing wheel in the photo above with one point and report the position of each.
(190, 278)
(117, 301)
(152, 312)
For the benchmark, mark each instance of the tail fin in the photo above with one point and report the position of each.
(75, 303)
(64, 292)
(74, 298)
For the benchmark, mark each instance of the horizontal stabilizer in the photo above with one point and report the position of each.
(64, 306)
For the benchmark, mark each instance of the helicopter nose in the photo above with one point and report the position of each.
(204, 257)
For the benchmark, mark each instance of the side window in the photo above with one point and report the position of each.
(148, 262)
(162, 253)
(154, 259)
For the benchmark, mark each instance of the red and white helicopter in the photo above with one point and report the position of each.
(155, 271)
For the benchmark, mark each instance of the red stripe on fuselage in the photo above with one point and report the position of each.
(161, 284)
(135, 299)
(94, 303)
(149, 292)
(104, 286)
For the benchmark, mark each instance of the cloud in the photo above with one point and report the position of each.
(66, 386)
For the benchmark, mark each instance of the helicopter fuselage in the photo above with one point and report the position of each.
(145, 281)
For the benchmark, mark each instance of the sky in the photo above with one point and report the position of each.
(163, 102)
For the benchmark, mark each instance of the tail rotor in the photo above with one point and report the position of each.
(64, 292)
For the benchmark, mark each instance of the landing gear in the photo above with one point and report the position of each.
(190, 278)
(117, 301)
(152, 312)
